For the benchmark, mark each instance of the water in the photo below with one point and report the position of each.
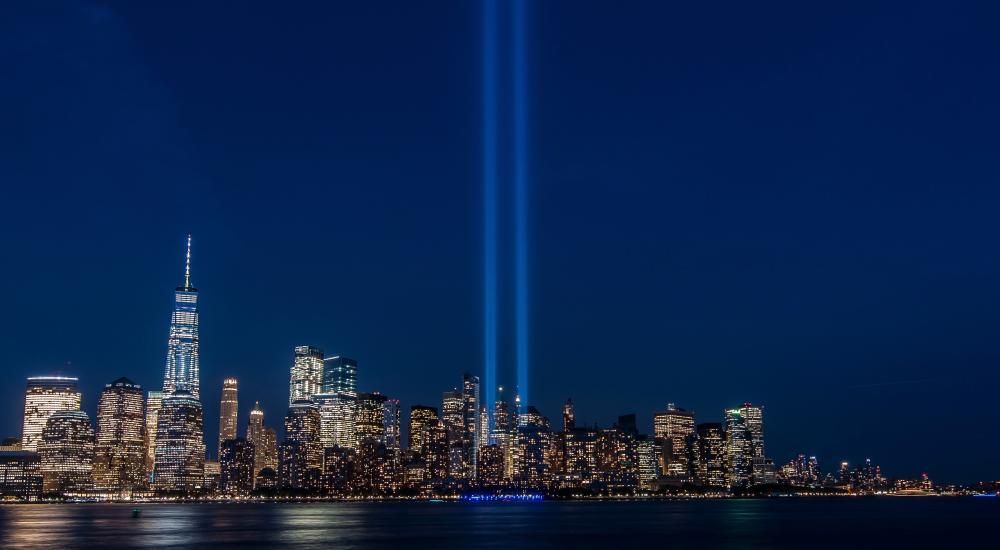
(884, 522)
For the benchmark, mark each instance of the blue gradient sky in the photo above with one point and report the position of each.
(788, 203)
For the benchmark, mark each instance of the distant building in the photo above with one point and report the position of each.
(301, 452)
(569, 416)
(44, 396)
(236, 467)
(391, 423)
(120, 448)
(739, 449)
(711, 470)
(470, 423)
(338, 469)
(211, 476)
(180, 446)
(532, 448)
(306, 374)
(228, 411)
(649, 464)
(369, 419)
(340, 375)
(490, 466)
(20, 475)
(422, 419)
(182, 372)
(672, 428)
(754, 418)
(11, 444)
(337, 412)
(66, 451)
(154, 401)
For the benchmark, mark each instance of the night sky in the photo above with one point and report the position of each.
(792, 204)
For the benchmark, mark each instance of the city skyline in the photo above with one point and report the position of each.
(788, 205)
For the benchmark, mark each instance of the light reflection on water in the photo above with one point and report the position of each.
(783, 523)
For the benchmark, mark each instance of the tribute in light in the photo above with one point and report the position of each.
(520, 202)
(489, 198)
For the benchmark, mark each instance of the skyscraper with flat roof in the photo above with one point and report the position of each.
(306, 378)
(340, 375)
(66, 450)
(120, 448)
(43, 397)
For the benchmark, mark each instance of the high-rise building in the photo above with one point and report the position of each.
(340, 375)
(44, 396)
(470, 422)
(120, 449)
(370, 418)
(180, 445)
(306, 374)
(301, 453)
(267, 449)
(672, 427)
(531, 451)
(649, 466)
(711, 455)
(228, 412)
(391, 422)
(490, 471)
(211, 476)
(337, 412)
(66, 451)
(422, 419)
(569, 416)
(20, 475)
(754, 417)
(154, 400)
(236, 467)
(256, 437)
(338, 469)
(739, 449)
(182, 372)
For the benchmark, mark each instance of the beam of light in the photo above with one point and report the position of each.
(520, 202)
(489, 200)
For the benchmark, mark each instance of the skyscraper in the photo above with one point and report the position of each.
(120, 448)
(182, 371)
(337, 412)
(711, 455)
(44, 396)
(66, 450)
(180, 444)
(236, 465)
(672, 427)
(301, 453)
(739, 449)
(306, 374)
(179, 456)
(422, 420)
(255, 435)
(154, 400)
(340, 375)
(370, 418)
(228, 411)
(470, 422)
(569, 416)
(754, 417)
(391, 422)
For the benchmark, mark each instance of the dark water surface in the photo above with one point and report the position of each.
(885, 522)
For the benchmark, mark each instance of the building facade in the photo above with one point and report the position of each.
(182, 370)
(120, 448)
(180, 445)
(43, 397)
(306, 374)
(228, 411)
(66, 451)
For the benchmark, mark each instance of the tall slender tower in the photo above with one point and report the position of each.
(179, 457)
(228, 411)
(182, 348)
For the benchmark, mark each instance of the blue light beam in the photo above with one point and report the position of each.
(489, 201)
(521, 202)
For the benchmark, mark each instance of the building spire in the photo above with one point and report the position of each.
(187, 265)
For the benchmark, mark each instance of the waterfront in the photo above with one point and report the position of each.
(875, 522)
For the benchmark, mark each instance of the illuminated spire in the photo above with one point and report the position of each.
(187, 265)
